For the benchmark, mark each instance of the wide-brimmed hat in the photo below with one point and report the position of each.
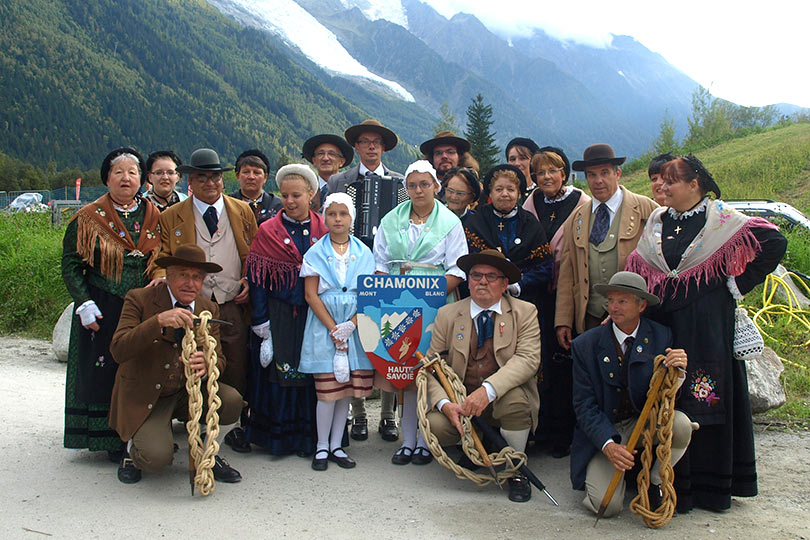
(301, 170)
(444, 138)
(255, 152)
(312, 143)
(504, 167)
(203, 160)
(107, 163)
(597, 154)
(492, 257)
(188, 255)
(521, 141)
(389, 137)
(470, 177)
(627, 282)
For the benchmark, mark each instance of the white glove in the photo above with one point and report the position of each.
(343, 331)
(513, 289)
(88, 313)
(262, 330)
(340, 364)
(266, 351)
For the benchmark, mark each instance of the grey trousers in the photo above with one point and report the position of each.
(386, 406)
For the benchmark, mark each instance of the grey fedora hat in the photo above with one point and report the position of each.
(628, 282)
(203, 160)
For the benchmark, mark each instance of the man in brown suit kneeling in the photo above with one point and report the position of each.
(150, 383)
(492, 341)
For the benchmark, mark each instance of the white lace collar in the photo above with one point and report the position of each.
(568, 190)
(698, 208)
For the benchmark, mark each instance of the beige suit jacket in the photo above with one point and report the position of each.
(573, 289)
(517, 348)
(144, 351)
(177, 228)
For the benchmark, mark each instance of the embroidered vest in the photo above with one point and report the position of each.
(221, 249)
(603, 262)
(481, 362)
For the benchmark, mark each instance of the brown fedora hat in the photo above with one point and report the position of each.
(389, 137)
(188, 255)
(444, 138)
(492, 257)
(597, 154)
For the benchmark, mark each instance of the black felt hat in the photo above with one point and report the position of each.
(107, 163)
(504, 167)
(468, 175)
(203, 160)
(522, 141)
(314, 142)
(597, 154)
(559, 152)
(256, 153)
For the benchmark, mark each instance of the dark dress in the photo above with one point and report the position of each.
(91, 368)
(265, 208)
(282, 400)
(720, 461)
(557, 419)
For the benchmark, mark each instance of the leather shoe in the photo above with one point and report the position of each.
(520, 490)
(320, 464)
(128, 473)
(402, 456)
(388, 429)
(421, 456)
(223, 472)
(359, 431)
(344, 462)
(237, 441)
(654, 496)
(560, 451)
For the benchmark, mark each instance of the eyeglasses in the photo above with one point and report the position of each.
(369, 142)
(424, 186)
(460, 193)
(490, 277)
(323, 153)
(449, 152)
(542, 173)
(206, 177)
(170, 172)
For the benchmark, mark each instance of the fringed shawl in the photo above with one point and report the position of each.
(274, 260)
(724, 247)
(99, 222)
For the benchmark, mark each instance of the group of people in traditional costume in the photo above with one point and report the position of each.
(584, 290)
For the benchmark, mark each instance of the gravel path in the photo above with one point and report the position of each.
(47, 490)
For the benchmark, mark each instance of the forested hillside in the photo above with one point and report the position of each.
(81, 77)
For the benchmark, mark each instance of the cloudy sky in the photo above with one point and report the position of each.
(749, 53)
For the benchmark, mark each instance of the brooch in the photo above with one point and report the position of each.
(178, 233)
(286, 240)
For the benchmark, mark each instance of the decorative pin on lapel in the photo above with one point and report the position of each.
(500, 328)
(606, 360)
(459, 337)
(646, 340)
(638, 348)
(286, 240)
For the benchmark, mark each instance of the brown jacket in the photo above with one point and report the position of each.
(177, 228)
(573, 289)
(517, 347)
(143, 351)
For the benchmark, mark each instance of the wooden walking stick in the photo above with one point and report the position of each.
(448, 388)
(652, 395)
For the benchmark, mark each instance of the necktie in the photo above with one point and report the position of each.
(180, 333)
(600, 225)
(486, 328)
(211, 220)
(628, 345)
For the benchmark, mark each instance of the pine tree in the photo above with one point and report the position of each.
(386, 329)
(447, 120)
(666, 141)
(482, 140)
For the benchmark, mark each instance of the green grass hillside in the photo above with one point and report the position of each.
(770, 165)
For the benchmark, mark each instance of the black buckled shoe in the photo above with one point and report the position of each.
(320, 463)
(237, 441)
(403, 456)
(388, 429)
(359, 431)
(128, 473)
(421, 456)
(520, 490)
(223, 472)
(344, 461)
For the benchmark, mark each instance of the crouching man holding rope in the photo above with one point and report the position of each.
(493, 345)
(613, 367)
(151, 382)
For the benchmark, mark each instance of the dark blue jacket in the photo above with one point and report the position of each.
(597, 386)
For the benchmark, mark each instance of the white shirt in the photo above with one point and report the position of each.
(621, 336)
(613, 204)
(445, 253)
(219, 206)
(379, 171)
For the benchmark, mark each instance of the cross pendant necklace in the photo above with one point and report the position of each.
(678, 229)
(500, 226)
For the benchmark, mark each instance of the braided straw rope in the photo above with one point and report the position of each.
(202, 457)
(660, 420)
(510, 458)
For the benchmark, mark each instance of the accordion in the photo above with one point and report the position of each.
(374, 196)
